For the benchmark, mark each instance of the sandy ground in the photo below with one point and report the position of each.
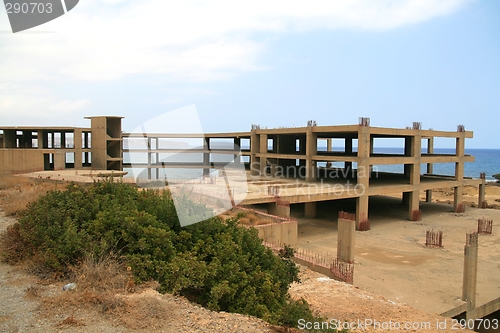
(391, 259)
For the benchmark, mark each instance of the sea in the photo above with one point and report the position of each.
(486, 160)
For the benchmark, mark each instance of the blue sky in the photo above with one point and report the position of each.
(274, 64)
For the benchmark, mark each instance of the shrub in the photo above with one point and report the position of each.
(217, 263)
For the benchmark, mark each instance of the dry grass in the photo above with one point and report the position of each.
(32, 291)
(105, 287)
(245, 220)
(71, 321)
(17, 192)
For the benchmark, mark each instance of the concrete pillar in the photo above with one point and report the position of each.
(430, 150)
(346, 240)
(59, 160)
(470, 273)
(263, 150)
(40, 139)
(311, 150)
(206, 156)
(481, 194)
(430, 167)
(254, 150)
(310, 209)
(414, 207)
(77, 140)
(363, 174)
(348, 151)
(274, 208)
(458, 199)
(428, 195)
(329, 146)
(459, 173)
(361, 210)
(416, 153)
(237, 149)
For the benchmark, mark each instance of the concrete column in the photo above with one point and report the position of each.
(263, 150)
(481, 194)
(311, 150)
(77, 140)
(329, 146)
(254, 150)
(346, 240)
(416, 153)
(310, 209)
(361, 210)
(430, 167)
(206, 156)
(274, 208)
(237, 148)
(430, 150)
(414, 207)
(459, 173)
(348, 151)
(59, 160)
(363, 173)
(40, 139)
(470, 273)
(428, 195)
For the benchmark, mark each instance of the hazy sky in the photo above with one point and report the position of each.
(272, 63)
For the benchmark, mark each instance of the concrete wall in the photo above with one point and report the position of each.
(20, 161)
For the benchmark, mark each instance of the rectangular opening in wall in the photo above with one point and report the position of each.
(86, 159)
(113, 149)
(70, 160)
(354, 145)
(222, 143)
(440, 169)
(57, 139)
(114, 127)
(1, 138)
(245, 144)
(338, 145)
(50, 140)
(69, 138)
(445, 146)
(86, 140)
(34, 139)
(297, 145)
(388, 146)
(48, 162)
(321, 144)
(270, 144)
(245, 159)
(176, 143)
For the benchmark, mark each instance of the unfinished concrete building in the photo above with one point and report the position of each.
(306, 173)
(30, 148)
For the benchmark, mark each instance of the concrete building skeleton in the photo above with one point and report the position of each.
(286, 153)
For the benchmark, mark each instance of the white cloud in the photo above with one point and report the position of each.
(33, 104)
(188, 40)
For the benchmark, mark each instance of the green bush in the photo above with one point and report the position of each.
(217, 263)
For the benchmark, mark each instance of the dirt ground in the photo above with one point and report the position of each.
(391, 259)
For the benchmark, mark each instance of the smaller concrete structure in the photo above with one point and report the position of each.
(346, 237)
